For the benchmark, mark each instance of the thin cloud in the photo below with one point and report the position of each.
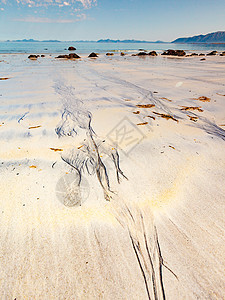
(60, 3)
(80, 17)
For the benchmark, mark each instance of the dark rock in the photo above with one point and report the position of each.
(42, 55)
(93, 55)
(63, 56)
(180, 53)
(142, 53)
(33, 57)
(122, 53)
(70, 56)
(212, 53)
(174, 52)
(152, 53)
(109, 54)
(202, 59)
(169, 52)
(201, 54)
(73, 55)
(133, 54)
(142, 50)
(194, 54)
(223, 53)
(71, 48)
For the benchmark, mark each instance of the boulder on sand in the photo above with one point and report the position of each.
(93, 54)
(152, 53)
(222, 54)
(73, 55)
(122, 53)
(33, 57)
(174, 52)
(70, 56)
(109, 54)
(71, 48)
(142, 54)
(212, 53)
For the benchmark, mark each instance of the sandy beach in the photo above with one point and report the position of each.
(112, 177)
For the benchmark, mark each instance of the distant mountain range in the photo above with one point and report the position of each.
(214, 37)
(126, 41)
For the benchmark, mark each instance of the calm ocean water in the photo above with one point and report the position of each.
(87, 47)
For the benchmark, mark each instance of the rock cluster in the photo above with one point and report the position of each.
(174, 52)
(69, 56)
(212, 53)
(33, 57)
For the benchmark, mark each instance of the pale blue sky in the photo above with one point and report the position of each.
(118, 19)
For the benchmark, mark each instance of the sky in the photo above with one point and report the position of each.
(70, 20)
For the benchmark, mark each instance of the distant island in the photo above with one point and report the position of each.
(214, 37)
(99, 41)
(34, 41)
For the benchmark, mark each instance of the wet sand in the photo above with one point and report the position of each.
(112, 178)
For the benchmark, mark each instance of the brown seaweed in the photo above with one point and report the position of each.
(144, 123)
(167, 117)
(145, 105)
(203, 99)
(187, 108)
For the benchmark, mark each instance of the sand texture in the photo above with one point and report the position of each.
(112, 178)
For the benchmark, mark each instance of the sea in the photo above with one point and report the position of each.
(88, 47)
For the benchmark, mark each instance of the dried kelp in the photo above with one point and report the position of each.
(144, 123)
(192, 118)
(145, 105)
(34, 127)
(203, 99)
(167, 117)
(190, 108)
